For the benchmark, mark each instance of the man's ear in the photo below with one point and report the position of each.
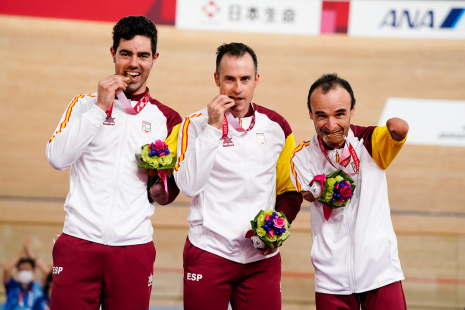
(352, 112)
(155, 57)
(217, 79)
(311, 115)
(113, 54)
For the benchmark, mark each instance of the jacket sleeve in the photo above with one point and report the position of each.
(384, 147)
(300, 174)
(288, 200)
(197, 147)
(74, 132)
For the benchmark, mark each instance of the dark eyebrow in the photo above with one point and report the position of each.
(341, 111)
(320, 113)
(125, 51)
(246, 77)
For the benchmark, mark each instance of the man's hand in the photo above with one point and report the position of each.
(398, 128)
(158, 194)
(216, 109)
(308, 196)
(107, 89)
(157, 191)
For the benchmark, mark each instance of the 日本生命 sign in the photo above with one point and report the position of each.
(271, 16)
(431, 122)
(407, 19)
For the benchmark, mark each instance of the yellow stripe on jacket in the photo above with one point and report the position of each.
(185, 138)
(68, 114)
(172, 140)
(294, 173)
(384, 147)
(283, 179)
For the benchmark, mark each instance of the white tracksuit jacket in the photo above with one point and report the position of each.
(107, 202)
(356, 250)
(230, 185)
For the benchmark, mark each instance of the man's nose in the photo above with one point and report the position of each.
(331, 124)
(133, 61)
(237, 88)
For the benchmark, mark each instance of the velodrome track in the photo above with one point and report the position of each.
(49, 61)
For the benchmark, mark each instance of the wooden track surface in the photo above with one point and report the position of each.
(48, 62)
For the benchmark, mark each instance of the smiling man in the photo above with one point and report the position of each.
(234, 162)
(106, 248)
(354, 247)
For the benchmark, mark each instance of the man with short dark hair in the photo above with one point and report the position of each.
(354, 246)
(106, 245)
(234, 162)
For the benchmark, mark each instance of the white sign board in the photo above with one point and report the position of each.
(431, 122)
(407, 19)
(258, 16)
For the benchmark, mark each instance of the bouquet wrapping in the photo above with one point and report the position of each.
(158, 159)
(338, 190)
(271, 228)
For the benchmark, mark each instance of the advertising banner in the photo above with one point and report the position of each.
(407, 19)
(431, 122)
(258, 16)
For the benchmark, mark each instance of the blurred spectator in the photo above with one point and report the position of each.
(22, 292)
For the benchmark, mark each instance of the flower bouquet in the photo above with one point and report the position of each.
(271, 229)
(158, 159)
(338, 190)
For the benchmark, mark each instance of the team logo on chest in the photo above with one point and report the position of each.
(261, 139)
(146, 127)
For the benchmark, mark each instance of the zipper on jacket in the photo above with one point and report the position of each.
(351, 252)
(115, 190)
(244, 149)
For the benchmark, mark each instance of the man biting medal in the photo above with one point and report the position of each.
(354, 247)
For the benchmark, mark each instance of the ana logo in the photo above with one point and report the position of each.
(261, 139)
(194, 277)
(57, 270)
(420, 19)
(146, 127)
(150, 280)
(452, 18)
(211, 9)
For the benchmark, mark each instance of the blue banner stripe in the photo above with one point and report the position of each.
(452, 19)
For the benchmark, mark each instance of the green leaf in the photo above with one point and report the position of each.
(254, 226)
(258, 215)
(269, 244)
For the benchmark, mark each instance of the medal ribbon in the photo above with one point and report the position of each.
(345, 161)
(127, 105)
(229, 118)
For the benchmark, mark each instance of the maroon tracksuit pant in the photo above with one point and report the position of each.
(389, 297)
(86, 273)
(211, 281)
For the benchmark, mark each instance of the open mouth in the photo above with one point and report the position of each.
(333, 136)
(133, 75)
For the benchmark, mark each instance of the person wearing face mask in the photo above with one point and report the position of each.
(22, 292)
(354, 247)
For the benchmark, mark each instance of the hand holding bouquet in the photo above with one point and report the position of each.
(269, 228)
(158, 159)
(334, 190)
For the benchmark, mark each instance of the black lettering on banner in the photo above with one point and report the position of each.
(288, 16)
(252, 13)
(235, 12)
(270, 15)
